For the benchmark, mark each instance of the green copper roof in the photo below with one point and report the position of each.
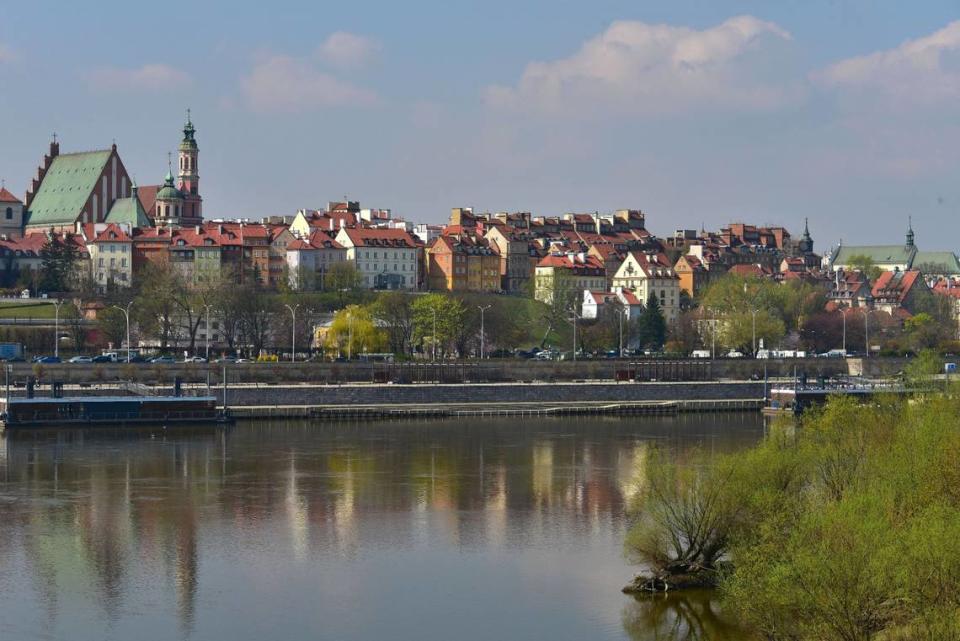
(168, 191)
(128, 211)
(937, 263)
(66, 187)
(881, 255)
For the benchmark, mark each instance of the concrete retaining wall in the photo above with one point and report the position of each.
(490, 393)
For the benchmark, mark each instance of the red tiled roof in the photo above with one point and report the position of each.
(895, 284)
(377, 237)
(7, 197)
(112, 233)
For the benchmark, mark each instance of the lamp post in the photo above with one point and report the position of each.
(754, 314)
(482, 309)
(574, 316)
(866, 331)
(126, 315)
(843, 315)
(349, 335)
(56, 328)
(293, 332)
(434, 337)
(207, 333)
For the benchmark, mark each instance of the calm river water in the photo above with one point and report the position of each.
(472, 530)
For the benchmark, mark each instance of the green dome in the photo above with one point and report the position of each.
(168, 193)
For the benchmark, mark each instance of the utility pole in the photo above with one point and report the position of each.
(349, 335)
(56, 328)
(574, 315)
(482, 309)
(293, 331)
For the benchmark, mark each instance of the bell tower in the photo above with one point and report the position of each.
(188, 180)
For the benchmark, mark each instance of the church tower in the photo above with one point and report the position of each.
(188, 181)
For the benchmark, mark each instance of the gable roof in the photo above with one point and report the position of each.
(7, 197)
(939, 263)
(880, 254)
(378, 237)
(895, 285)
(128, 211)
(66, 186)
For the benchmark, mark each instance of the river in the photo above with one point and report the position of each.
(474, 529)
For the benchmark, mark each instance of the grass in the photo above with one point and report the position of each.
(13, 309)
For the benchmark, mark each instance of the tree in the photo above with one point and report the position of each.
(394, 312)
(353, 331)
(58, 266)
(652, 328)
(561, 298)
(112, 325)
(157, 307)
(865, 265)
(343, 277)
(256, 310)
(436, 321)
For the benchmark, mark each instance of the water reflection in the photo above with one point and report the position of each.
(333, 531)
(682, 616)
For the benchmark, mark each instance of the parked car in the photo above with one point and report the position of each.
(45, 360)
(734, 354)
(163, 360)
(102, 358)
(701, 353)
(195, 359)
(226, 359)
(545, 355)
(81, 359)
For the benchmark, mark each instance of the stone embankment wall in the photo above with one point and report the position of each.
(506, 370)
(490, 394)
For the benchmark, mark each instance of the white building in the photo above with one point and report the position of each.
(385, 258)
(645, 273)
(308, 260)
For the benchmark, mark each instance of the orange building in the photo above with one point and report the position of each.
(462, 263)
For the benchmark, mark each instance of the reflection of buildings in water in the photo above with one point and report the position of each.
(495, 515)
(542, 471)
(344, 506)
(296, 511)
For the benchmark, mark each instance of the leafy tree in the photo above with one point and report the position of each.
(343, 277)
(353, 331)
(112, 325)
(58, 266)
(865, 265)
(652, 328)
(394, 311)
(437, 319)
(157, 308)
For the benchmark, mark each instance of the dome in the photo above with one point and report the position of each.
(168, 191)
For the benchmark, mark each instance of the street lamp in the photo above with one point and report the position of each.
(574, 316)
(866, 331)
(843, 315)
(482, 309)
(434, 337)
(293, 331)
(126, 314)
(754, 313)
(56, 328)
(207, 307)
(349, 335)
(621, 315)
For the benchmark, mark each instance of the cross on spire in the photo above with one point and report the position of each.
(169, 161)
(54, 136)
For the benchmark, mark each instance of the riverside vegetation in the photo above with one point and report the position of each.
(843, 527)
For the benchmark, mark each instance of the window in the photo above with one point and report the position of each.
(9, 213)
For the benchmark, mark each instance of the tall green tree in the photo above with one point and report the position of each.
(437, 319)
(651, 326)
(58, 267)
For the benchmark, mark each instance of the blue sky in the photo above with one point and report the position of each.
(698, 112)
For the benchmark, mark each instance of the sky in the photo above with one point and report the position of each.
(698, 112)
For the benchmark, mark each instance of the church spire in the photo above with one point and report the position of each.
(910, 231)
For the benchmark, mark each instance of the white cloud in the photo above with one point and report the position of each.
(635, 67)
(925, 70)
(287, 85)
(348, 50)
(149, 77)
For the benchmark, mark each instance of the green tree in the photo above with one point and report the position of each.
(112, 325)
(865, 265)
(395, 313)
(652, 328)
(343, 277)
(437, 319)
(354, 331)
(58, 267)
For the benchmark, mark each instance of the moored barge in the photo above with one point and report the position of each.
(21, 413)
